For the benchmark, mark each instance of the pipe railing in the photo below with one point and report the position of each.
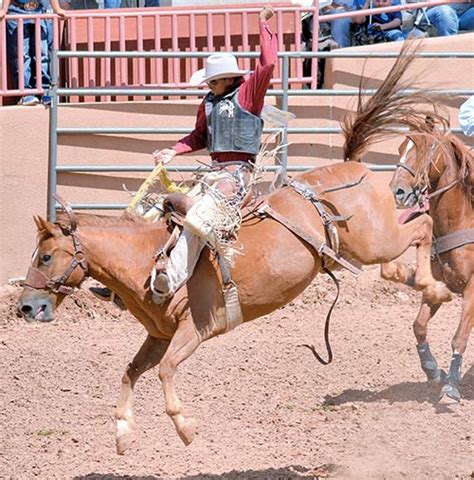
(113, 31)
(284, 94)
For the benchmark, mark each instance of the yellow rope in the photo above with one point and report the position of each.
(160, 174)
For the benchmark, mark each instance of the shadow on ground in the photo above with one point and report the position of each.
(420, 392)
(293, 472)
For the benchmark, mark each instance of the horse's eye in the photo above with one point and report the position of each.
(45, 259)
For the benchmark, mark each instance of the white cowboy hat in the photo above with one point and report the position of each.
(218, 65)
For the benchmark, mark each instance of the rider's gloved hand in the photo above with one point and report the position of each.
(164, 156)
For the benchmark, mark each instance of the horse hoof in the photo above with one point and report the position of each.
(187, 431)
(124, 437)
(451, 392)
(124, 442)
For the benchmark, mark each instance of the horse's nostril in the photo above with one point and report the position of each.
(26, 309)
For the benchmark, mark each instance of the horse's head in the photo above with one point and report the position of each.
(403, 181)
(53, 273)
(420, 167)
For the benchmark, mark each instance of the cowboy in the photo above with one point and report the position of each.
(228, 123)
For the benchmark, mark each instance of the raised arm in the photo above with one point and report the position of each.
(252, 92)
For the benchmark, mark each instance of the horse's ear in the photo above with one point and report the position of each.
(46, 227)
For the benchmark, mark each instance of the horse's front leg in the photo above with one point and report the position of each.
(420, 329)
(459, 344)
(184, 342)
(149, 355)
(418, 233)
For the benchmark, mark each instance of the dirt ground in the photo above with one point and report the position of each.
(265, 408)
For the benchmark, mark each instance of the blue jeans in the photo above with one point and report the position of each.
(152, 3)
(449, 19)
(341, 31)
(395, 35)
(29, 60)
(112, 3)
(465, 13)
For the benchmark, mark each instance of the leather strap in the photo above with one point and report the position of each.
(452, 241)
(320, 246)
(233, 310)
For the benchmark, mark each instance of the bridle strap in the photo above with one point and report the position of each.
(79, 255)
(407, 168)
(38, 280)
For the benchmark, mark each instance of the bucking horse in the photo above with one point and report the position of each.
(285, 242)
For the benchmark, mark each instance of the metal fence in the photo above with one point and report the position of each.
(284, 93)
(227, 28)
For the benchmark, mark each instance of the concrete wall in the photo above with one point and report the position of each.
(24, 142)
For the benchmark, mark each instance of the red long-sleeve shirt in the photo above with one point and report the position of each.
(251, 98)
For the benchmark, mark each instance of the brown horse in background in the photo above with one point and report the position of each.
(440, 166)
(119, 252)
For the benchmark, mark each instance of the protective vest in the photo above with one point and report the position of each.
(230, 128)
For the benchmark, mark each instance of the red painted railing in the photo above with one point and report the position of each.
(229, 28)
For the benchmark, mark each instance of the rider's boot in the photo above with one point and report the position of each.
(168, 277)
(104, 293)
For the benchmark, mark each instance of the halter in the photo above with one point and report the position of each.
(420, 193)
(39, 281)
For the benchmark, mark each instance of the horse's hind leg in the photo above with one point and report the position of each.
(184, 342)
(417, 233)
(147, 357)
(420, 328)
(459, 344)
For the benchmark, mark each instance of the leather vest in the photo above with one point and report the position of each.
(230, 128)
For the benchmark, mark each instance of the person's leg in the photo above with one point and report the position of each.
(466, 16)
(12, 50)
(112, 3)
(341, 31)
(45, 72)
(179, 268)
(444, 19)
(29, 55)
(152, 3)
(394, 35)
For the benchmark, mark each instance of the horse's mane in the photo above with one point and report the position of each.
(390, 108)
(125, 219)
(458, 159)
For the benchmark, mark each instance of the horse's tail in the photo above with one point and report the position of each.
(390, 108)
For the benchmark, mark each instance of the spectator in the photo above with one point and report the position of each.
(112, 3)
(466, 117)
(29, 7)
(339, 29)
(446, 19)
(382, 26)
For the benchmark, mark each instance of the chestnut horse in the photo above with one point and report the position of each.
(440, 166)
(275, 267)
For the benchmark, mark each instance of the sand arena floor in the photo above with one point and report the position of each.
(265, 408)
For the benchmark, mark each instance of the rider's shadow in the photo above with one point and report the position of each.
(420, 392)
